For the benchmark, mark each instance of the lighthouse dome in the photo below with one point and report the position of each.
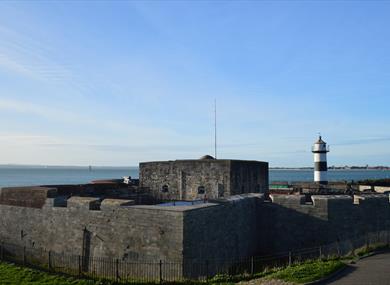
(320, 146)
(320, 141)
(206, 157)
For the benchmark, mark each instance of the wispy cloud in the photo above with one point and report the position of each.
(11, 65)
(40, 60)
(364, 140)
(163, 147)
(56, 114)
(28, 57)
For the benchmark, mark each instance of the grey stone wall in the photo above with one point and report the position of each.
(34, 197)
(299, 224)
(181, 179)
(248, 177)
(229, 230)
(235, 227)
(125, 232)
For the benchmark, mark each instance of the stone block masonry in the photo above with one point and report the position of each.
(203, 178)
(125, 232)
(297, 223)
(235, 227)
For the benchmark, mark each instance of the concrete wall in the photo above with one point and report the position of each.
(378, 189)
(381, 189)
(219, 178)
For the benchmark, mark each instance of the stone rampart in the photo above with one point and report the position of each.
(326, 219)
(236, 227)
(34, 197)
(232, 229)
(84, 225)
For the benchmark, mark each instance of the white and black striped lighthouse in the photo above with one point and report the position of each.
(320, 165)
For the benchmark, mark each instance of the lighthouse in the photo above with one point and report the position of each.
(320, 165)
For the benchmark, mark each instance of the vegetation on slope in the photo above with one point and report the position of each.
(299, 273)
(15, 275)
(308, 271)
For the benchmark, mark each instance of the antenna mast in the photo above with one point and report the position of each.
(215, 128)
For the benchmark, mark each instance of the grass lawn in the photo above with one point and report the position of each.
(11, 274)
(308, 271)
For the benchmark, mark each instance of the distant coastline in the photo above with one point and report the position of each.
(17, 175)
(346, 167)
(16, 166)
(335, 168)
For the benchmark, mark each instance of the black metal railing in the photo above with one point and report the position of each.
(124, 271)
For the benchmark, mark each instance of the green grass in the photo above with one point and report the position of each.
(232, 279)
(369, 249)
(11, 274)
(308, 271)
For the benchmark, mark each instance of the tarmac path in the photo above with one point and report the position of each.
(373, 270)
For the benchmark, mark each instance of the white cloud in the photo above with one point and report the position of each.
(57, 114)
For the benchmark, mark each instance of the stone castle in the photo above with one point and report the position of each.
(185, 210)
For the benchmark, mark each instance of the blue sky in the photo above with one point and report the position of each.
(115, 83)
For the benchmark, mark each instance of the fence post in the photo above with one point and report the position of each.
(49, 260)
(338, 250)
(160, 267)
(252, 266)
(24, 255)
(207, 269)
(117, 269)
(289, 258)
(320, 251)
(2, 251)
(79, 258)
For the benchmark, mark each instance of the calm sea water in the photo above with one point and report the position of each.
(18, 176)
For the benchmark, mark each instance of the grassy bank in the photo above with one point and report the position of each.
(11, 274)
(308, 271)
(15, 275)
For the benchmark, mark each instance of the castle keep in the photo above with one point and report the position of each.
(203, 178)
(232, 218)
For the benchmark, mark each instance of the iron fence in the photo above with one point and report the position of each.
(123, 271)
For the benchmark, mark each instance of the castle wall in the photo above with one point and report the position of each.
(229, 230)
(298, 224)
(117, 231)
(248, 177)
(220, 178)
(183, 177)
(34, 197)
(236, 227)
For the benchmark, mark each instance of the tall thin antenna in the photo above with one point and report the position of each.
(215, 128)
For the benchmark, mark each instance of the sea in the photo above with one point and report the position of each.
(39, 175)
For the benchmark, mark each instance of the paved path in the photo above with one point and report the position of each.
(374, 270)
